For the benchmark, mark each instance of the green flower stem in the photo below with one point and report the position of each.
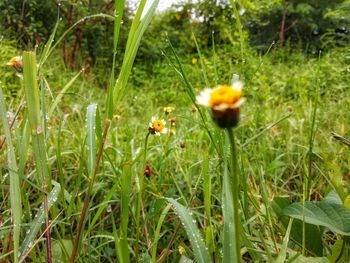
(235, 193)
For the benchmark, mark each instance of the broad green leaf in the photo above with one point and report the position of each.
(313, 233)
(330, 215)
(185, 214)
(333, 198)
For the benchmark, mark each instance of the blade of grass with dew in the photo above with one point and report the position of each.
(138, 27)
(39, 237)
(91, 137)
(33, 103)
(199, 249)
(15, 191)
(37, 223)
(37, 133)
(157, 232)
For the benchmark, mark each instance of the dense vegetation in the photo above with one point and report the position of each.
(77, 149)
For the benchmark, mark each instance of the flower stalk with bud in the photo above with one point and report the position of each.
(224, 102)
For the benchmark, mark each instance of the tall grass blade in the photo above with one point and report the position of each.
(199, 249)
(119, 10)
(47, 47)
(282, 256)
(15, 191)
(157, 232)
(138, 27)
(37, 223)
(228, 213)
(125, 198)
(91, 137)
(34, 116)
(38, 134)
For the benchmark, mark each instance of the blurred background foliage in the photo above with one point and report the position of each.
(306, 26)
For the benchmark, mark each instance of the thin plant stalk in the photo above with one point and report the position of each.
(235, 193)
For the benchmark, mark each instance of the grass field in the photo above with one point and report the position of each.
(83, 179)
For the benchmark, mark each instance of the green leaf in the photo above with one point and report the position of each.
(330, 215)
(313, 233)
(340, 252)
(302, 259)
(61, 250)
(185, 214)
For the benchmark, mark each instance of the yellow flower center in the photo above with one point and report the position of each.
(224, 94)
(158, 125)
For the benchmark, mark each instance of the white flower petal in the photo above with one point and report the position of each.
(164, 131)
(204, 97)
(237, 85)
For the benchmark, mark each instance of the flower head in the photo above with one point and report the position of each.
(224, 101)
(173, 121)
(168, 109)
(157, 126)
(172, 132)
(17, 63)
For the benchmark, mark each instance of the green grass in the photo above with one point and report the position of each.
(131, 218)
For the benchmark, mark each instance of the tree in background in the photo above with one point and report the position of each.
(27, 22)
(313, 24)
